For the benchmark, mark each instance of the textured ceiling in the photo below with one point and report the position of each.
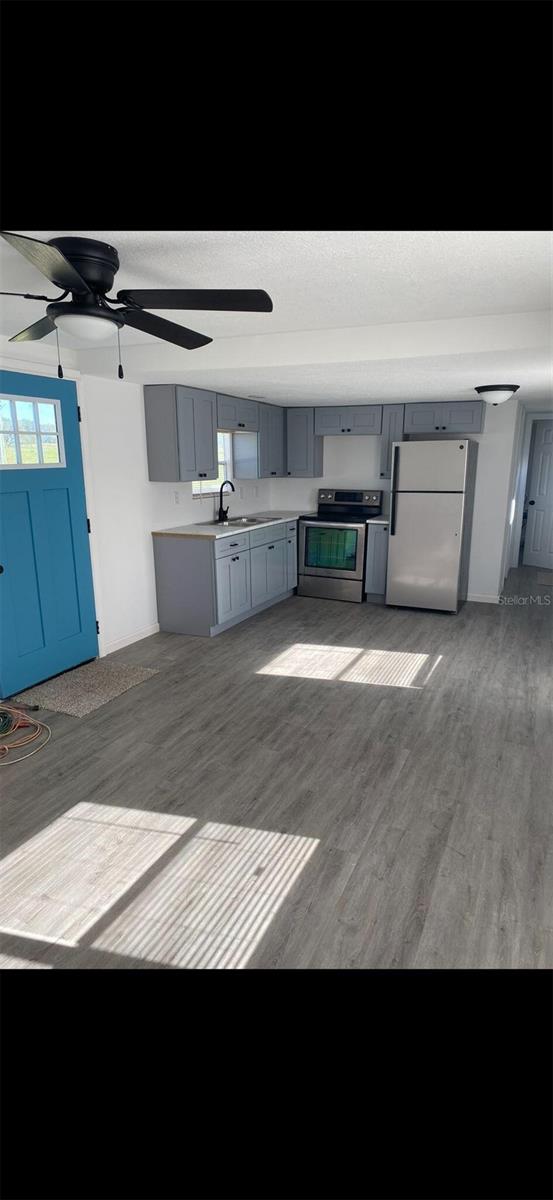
(451, 377)
(317, 279)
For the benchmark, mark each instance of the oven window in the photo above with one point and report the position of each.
(335, 549)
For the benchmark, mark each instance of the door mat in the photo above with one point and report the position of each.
(80, 691)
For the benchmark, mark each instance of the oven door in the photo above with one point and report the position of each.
(334, 550)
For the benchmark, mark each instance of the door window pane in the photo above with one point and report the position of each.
(29, 448)
(8, 453)
(50, 448)
(47, 417)
(335, 549)
(25, 414)
(6, 421)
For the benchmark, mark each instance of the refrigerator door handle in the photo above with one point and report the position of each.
(395, 465)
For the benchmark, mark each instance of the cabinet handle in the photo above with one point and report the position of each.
(436, 427)
(270, 547)
(231, 544)
(444, 426)
(273, 472)
(240, 424)
(288, 472)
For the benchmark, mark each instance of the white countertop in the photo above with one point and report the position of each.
(262, 519)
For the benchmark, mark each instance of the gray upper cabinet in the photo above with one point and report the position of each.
(181, 433)
(271, 441)
(235, 413)
(455, 417)
(359, 419)
(392, 431)
(304, 449)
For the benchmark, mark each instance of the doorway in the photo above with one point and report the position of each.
(536, 542)
(47, 611)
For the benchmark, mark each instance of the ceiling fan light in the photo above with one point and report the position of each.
(497, 393)
(90, 329)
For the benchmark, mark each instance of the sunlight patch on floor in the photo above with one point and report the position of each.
(210, 906)
(353, 664)
(58, 884)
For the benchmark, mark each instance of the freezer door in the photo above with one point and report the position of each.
(430, 466)
(424, 551)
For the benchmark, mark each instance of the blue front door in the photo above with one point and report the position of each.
(47, 614)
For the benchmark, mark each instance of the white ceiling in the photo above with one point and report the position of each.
(318, 280)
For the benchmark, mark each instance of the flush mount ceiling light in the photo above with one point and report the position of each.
(497, 393)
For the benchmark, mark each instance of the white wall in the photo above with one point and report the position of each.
(347, 462)
(124, 507)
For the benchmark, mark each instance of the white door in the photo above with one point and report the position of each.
(538, 545)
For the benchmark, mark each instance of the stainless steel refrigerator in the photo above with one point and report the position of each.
(432, 496)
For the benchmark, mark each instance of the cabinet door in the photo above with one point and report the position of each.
(268, 571)
(277, 568)
(392, 431)
(233, 586)
(329, 421)
(364, 418)
(377, 557)
(304, 451)
(233, 412)
(205, 436)
(186, 435)
(422, 418)
(292, 562)
(462, 416)
(271, 441)
(248, 415)
(162, 444)
(277, 440)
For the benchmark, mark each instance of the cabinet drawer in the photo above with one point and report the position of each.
(271, 533)
(292, 528)
(231, 544)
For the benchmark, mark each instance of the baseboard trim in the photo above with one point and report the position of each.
(483, 598)
(119, 643)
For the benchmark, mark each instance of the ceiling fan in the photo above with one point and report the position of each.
(86, 269)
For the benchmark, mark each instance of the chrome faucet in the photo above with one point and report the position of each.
(223, 512)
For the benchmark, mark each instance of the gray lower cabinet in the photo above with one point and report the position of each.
(304, 448)
(233, 582)
(457, 417)
(392, 431)
(292, 561)
(268, 570)
(357, 419)
(234, 412)
(377, 559)
(181, 433)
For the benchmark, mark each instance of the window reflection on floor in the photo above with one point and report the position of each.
(210, 906)
(60, 882)
(353, 664)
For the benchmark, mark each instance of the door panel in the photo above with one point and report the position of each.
(292, 562)
(422, 418)
(424, 551)
(260, 583)
(186, 439)
(48, 620)
(461, 417)
(276, 567)
(329, 420)
(538, 543)
(438, 466)
(300, 441)
(365, 418)
(205, 436)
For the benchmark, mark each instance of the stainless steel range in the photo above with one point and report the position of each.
(332, 544)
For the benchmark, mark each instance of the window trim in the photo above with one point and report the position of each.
(229, 468)
(34, 400)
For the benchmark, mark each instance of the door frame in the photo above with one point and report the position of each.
(522, 479)
(50, 370)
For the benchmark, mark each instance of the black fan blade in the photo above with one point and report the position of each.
(217, 300)
(159, 327)
(33, 332)
(49, 260)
